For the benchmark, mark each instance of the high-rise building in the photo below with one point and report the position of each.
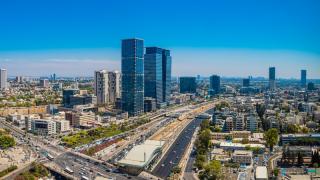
(188, 85)
(166, 75)
(66, 96)
(246, 82)
(215, 84)
(303, 78)
(272, 78)
(153, 82)
(252, 123)
(132, 59)
(3, 79)
(157, 74)
(44, 83)
(107, 85)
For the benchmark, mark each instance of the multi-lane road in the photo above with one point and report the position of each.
(173, 156)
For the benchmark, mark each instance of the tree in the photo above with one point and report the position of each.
(6, 141)
(292, 129)
(305, 130)
(212, 171)
(205, 124)
(245, 141)
(200, 160)
(176, 170)
(271, 137)
(276, 172)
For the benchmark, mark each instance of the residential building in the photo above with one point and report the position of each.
(303, 78)
(239, 124)
(188, 84)
(242, 157)
(132, 60)
(252, 123)
(272, 78)
(3, 79)
(107, 86)
(228, 125)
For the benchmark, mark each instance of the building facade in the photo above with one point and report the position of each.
(132, 70)
(215, 84)
(107, 86)
(303, 78)
(3, 79)
(272, 78)
(188, 85)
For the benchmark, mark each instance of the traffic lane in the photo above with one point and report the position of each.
(174, 154)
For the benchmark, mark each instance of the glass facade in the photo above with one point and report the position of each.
(272, 73)
(153, 82)
(157, 67)
(132, 59)
(166, 75)
(188, 85)
(303, 78)
(215, 83)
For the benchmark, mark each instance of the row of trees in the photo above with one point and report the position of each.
(211, 169)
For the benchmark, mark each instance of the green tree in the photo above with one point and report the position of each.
(212, 171)
(292, 129)
(6, 141)
(200, 160)
(245, 141)
(276, 172)
(271, 137)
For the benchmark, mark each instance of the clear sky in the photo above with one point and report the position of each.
(230, 38)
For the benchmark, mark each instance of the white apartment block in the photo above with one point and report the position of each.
(242, 157)
(107, 86)
(3, 79)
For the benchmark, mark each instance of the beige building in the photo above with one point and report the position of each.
(62, 126)
(242, 157)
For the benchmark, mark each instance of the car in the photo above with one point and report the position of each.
(162, 165)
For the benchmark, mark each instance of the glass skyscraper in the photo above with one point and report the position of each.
(157, 71)
(188, 85)
(303, 78)
(166, 75)
(132, 59)
(215, 83)
(272, 78)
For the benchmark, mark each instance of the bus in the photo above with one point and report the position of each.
(50, 157)
(68, 170)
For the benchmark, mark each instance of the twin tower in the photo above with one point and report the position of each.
(145, 73)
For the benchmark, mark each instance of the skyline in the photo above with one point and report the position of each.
(232, 38)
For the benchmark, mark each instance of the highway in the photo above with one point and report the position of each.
(173, 155)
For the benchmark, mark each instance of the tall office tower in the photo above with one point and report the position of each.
(132, 76)
(188, 85)
(153, 82)
(3, 79)
(272, 78)
(166, 75)
(303, 78)
(157, 74)
(246, 82)
(107, 86)
(44, 83)
(215, 83)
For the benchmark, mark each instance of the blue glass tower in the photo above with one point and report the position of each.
(215, 83)
(303, 78)
(166, 75)
(153, 79)
(157, 74)
(188, 85)
(132, 59)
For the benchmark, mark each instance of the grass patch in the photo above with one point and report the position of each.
(8, 170)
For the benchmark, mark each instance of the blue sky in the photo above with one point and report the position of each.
(231, 38)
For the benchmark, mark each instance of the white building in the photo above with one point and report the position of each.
(261, 173)
(107, 86)
(242, 157)
(3, 79)
(62, 126)
(42, 127)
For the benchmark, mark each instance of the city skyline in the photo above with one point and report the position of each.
(225, 36)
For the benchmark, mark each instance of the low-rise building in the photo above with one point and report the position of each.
(242, 157)
(42, 127)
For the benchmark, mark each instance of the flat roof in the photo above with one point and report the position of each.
(261, 172)
(142, 154)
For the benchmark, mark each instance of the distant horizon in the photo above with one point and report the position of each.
(233, 38)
